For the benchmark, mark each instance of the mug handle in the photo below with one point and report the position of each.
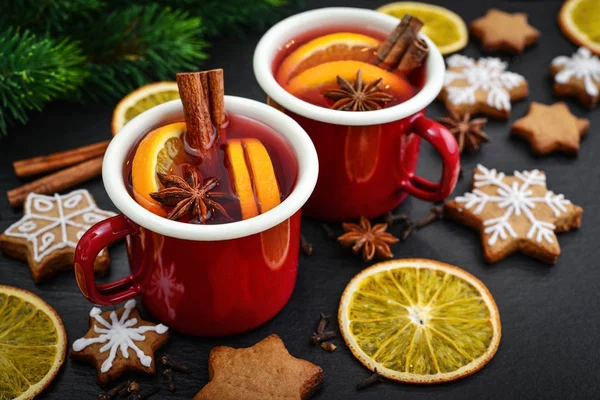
(446, 146)
(98, 237)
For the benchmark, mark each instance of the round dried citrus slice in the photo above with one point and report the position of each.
(419, 321)
(155, 153)
(332, 47)
(140, 100)
(447, 30)
(361, 152)
(327, 73)
(33, 343)
(578, 19)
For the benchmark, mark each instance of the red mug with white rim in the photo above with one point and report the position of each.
(367, 159)
(207, 280)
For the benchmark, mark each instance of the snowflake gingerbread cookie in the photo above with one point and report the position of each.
(515, 213)
(481, 87)
(48, 233)
(119, 341)
(577, 76)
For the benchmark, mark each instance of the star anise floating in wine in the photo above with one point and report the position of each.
(358, 96)
(468, 132)
(188, 196)
(373, 241)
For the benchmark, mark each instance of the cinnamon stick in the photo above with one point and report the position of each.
(57, 181)
(52, 162)
(403, 49)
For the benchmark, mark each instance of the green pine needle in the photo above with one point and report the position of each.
(33, 71)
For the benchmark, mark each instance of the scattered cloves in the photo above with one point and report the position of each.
(406, 231)
(168, 374)
(112, 392)
(370, 381)
(391, 218)
(437, 212)
(328, 346)
(168, 362)
(328, 231)
(131, 387)
(317, 338)
(323, 321)
(144, 394)
(307, 248)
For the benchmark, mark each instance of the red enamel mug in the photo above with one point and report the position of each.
(207, 280)
(367, 159)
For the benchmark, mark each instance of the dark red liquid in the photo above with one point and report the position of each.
(415, 79)
(237, 127)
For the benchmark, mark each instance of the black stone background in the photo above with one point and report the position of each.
(549, 347)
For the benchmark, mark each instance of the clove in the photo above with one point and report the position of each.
(323, 321)
(131, 387)
(406, 231)
(370, 381)
(437, 212)
(307, 248)
(144, 394)
(113, 391)
(328, 346)
(317, 338)
(328, 231)
(391, 218)
(168, 362)
(168, 374)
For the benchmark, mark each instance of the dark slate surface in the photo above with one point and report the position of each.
(550, 314)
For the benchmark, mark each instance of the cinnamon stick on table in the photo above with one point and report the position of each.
(52, 162)
(403, 49)
(57, 181)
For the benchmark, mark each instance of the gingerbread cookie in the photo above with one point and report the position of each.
(515, 213)
(550, 128)
(48, 233)
(481, 87)
(263, 371)
(502, 31)
(577, 76)
(119, 341)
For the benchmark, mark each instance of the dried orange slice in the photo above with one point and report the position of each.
(419, 321)
(327, 73)
(361, 152)
(332, 47)
(33, 344)
(579, 21)
(155, 153)
(141, 100)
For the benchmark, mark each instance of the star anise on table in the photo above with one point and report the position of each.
(187, 195)
(358, 96)
(468, 132)
(374, 241)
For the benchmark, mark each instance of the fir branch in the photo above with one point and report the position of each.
(139, 44)
(33, 71)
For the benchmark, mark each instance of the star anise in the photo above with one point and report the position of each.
(468, 132)
(373, 241)
(186, 195)
(358, 97)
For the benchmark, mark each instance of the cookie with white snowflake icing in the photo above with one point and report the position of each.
(48, 233)
(515, 213)
(119, 341)
(577, 76)
(481, 86)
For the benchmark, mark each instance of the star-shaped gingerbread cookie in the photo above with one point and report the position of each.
(550, 128)
(48, 233)
(502, 31)
(577, 76)
(515, 213)
(481, 87)
(119, 341)
(263, 371)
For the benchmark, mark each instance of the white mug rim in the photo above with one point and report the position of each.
(121, 145)
(271, 42)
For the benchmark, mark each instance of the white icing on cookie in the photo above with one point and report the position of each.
(516, 200)
(486, 74)
(581, 65)
(45, 215)
(119, 334)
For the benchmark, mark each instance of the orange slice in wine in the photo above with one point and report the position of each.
(361, 152)
(155, 153)
(327, 73)
(332, 47)
(240, 178)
